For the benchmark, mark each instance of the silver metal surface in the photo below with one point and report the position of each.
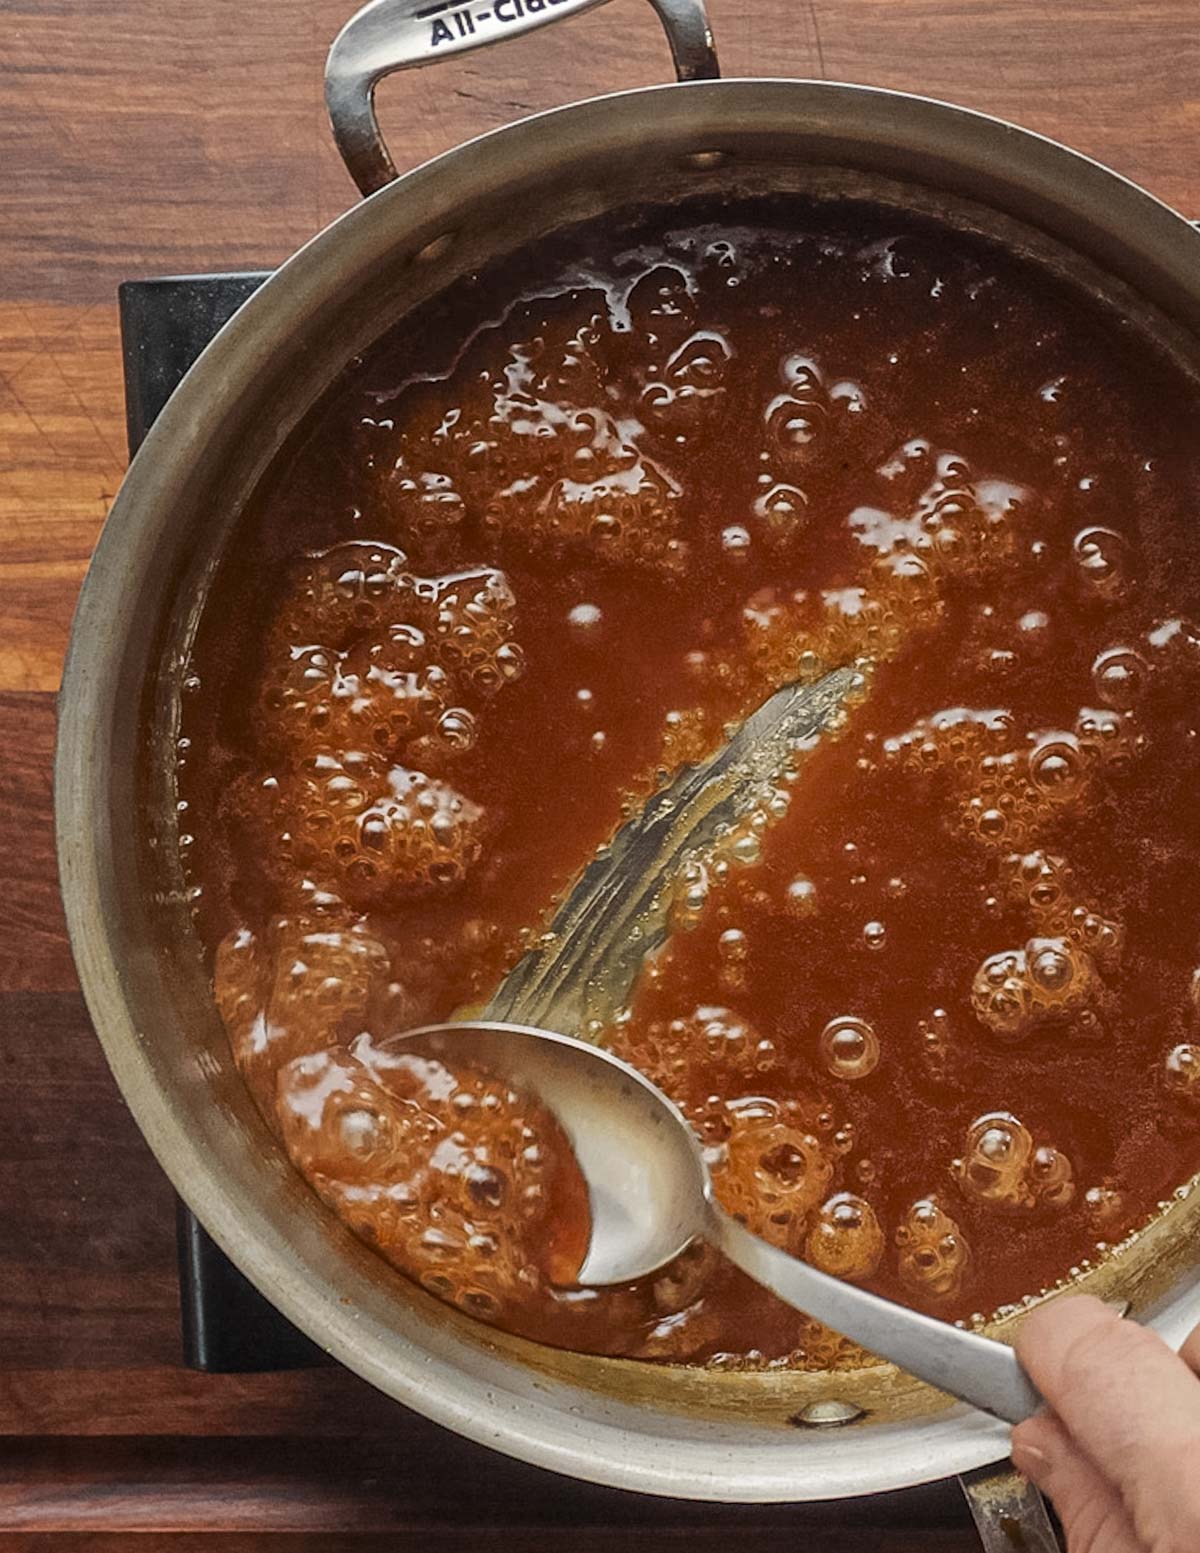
(619, 910)
(1009, 1513)
(651, 1195)
(391, 35)
(660, 1429)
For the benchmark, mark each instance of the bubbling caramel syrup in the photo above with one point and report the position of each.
(936, 1013)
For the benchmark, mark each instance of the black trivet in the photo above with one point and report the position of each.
(165, 324)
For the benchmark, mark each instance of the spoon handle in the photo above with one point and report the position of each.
(977, 1369)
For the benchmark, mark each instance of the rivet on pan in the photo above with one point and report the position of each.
(826, 1415)
(434, 249)
(705, 158)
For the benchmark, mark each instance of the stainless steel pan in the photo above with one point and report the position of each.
(669, 1431)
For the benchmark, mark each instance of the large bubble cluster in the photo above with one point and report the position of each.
(711, 1037)
(374, 682)
(960, 527)
(957, 529)
(348, 590)
(374, 700)
(933, 1255)
(1057, 979)
(768, 1171)
(1044, 883)
(367, 654)
(1008, 787)
(370, 831)
(460, 1181)
(688, 389)
(1051, 981)
(1001, 1168)
(300, 986)
(539, 446)
(799, 635)
(471, 625)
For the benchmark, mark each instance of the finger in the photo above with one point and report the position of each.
(1130, 1404)
(1090, 1508)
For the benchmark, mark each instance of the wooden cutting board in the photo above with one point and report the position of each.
(142, 137)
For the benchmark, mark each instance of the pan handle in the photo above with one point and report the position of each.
(1009, 1513)
(390, 35)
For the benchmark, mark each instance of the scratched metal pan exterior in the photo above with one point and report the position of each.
(666, 1430)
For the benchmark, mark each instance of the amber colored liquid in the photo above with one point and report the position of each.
(935, 1017)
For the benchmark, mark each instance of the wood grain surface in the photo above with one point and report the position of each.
(142, 137)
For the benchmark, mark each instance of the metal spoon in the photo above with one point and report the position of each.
(651, 1196)
(650, 1190)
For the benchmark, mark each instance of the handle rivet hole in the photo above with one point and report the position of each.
(828, 1414)
(705, 159)
(436, 249)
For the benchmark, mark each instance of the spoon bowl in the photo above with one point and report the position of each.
(647, 1182)
(651, 1195)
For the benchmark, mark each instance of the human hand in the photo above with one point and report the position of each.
(1118, 1447)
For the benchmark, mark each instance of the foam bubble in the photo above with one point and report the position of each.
(849, 1047)
(690, 896)
(796, 418)
(585, 622)
(996, 1159)
(1181, 1070)
(735, 541)
(1001, 1167)
(846, 1240)
(933, 1254)
(936, 1034)
(768, 1173)
(1018, 992)
(456, 729)
(800, 898)
(1033, 633)
(1172, 645)
(733, 947)
(1056, 766)
(1106, 1208)
(1101, 558)
(1119, 675)
(780, 512)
